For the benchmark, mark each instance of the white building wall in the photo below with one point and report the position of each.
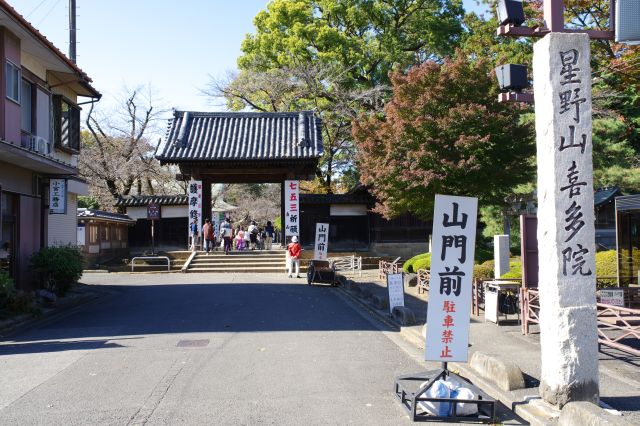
(174, 211)
(62, 229)
(137, 212)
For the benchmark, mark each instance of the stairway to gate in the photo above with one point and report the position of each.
(243, 261)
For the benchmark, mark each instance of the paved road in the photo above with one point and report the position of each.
(205, 349)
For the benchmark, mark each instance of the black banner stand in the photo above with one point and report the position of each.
(410, 398)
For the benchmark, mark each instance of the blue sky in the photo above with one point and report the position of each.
(172, 46)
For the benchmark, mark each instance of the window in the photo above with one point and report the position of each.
(66, 124)
(12, 73)
(93, 234)
(105, 233)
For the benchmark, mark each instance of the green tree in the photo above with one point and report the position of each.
(334, 57)
(441, 134)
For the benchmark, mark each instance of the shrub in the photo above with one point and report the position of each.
(483, 271)
(421, 261)
(607, 266)
(483, 253)
(6, 284)
(58, 268)
(6, 288)
(515, 270)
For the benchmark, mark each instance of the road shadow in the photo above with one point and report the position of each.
(135, 310)
(56, 346)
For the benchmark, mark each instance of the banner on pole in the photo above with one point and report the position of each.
(395, 286)
(291, 208)
(322, 241)
(195, 203)
(454, 238)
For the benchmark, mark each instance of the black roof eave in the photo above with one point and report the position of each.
(234, 161)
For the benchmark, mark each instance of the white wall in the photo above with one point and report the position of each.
(348, 210)
(165, 212)
(63, 228)
(137, 212)
(174, 211)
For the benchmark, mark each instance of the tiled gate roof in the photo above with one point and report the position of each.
(220, 136)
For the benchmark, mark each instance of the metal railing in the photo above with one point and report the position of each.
(385, 268)
(617, 324)
(151, 258)
(424, 275)
(347, 263)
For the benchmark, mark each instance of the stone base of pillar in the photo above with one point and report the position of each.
(576, 358)
(561, 395)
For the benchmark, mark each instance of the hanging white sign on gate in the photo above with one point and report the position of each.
(291, 208)
(454, 238)
(395, 286)
(322, 241)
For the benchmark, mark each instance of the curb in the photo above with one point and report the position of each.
(529, 407)
(386, 320)
(24, 322)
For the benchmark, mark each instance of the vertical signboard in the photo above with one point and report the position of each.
(217, 219)
(322, 241)
(395, 286)
(195, 203)
(81, 234)
(454, 238)
(291, 208)
(57, 196)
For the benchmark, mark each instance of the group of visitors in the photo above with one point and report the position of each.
(251, 238)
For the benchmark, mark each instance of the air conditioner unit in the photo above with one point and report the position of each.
(40, 145)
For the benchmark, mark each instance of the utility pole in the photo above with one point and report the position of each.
(72, 30)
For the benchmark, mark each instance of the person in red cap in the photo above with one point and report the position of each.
(293, 251)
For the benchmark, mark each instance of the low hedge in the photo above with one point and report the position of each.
(421, 261)
(607, 266)
(57, 268)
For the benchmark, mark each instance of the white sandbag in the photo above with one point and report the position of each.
(464, 408)
(440, 389)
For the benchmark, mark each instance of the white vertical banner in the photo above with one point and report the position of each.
(291, 208)
(195, 204)
(322, 241)
(57, 196)
(81, 234)
(216, 218)
(395, 286)
(454, 239)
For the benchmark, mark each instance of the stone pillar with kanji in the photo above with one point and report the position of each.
(566, 234)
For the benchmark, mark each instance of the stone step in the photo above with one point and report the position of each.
(233, 263)
(236, 264)
(238, 258)
(264, 269)
(219, 252)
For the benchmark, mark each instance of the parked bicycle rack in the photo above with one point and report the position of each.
(410, 398)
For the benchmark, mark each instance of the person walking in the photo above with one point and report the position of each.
(294, 250)
(240, 239)
(193, 229)
(209, 235)
(247, 239)
(253, 234)
(270, 232)
(226, 232)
